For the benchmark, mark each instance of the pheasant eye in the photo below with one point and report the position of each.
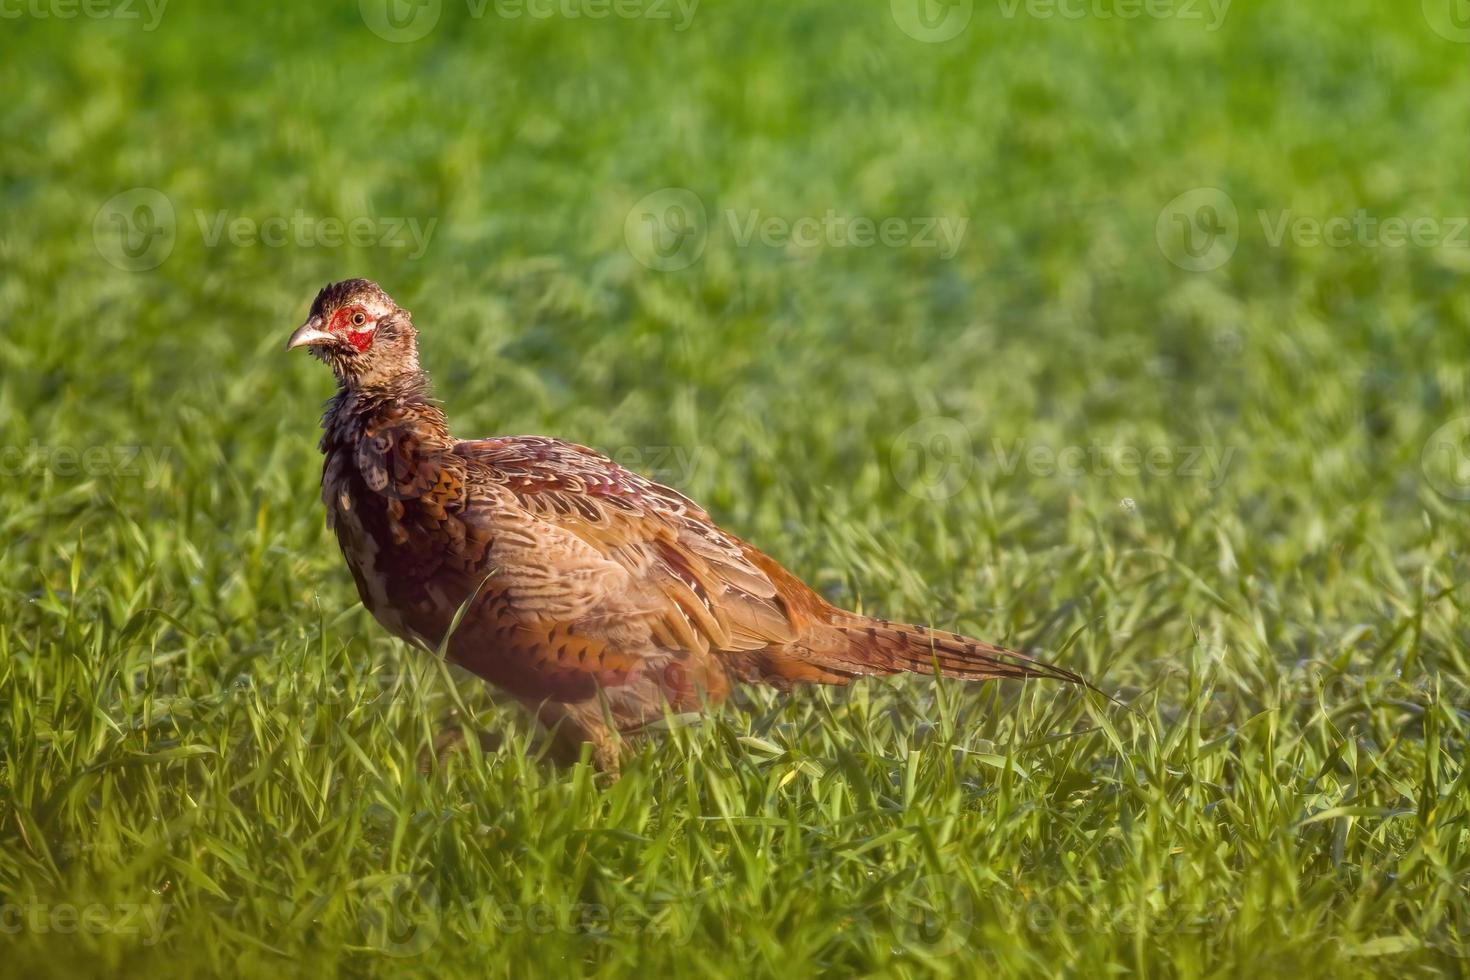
(355, 325)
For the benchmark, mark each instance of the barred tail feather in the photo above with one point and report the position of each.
(876, 646)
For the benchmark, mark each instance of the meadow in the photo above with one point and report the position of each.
(1131, 336)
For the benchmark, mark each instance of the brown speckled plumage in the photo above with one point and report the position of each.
(589, 592)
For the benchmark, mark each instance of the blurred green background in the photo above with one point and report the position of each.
(1136, 414)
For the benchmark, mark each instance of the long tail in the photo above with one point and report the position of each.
(835, 645)
(848, 646)
(877, 646)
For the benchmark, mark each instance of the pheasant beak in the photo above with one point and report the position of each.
(309, 334)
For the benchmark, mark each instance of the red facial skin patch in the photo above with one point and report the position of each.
(360, 338)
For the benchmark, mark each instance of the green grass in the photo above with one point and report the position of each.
(208, 751)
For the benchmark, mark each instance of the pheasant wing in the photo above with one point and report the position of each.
(582, 546)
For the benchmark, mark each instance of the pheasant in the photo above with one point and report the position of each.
(595, 596)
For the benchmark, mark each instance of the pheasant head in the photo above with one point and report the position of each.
(367, 339)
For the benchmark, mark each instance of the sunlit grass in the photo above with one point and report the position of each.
(212, 760)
